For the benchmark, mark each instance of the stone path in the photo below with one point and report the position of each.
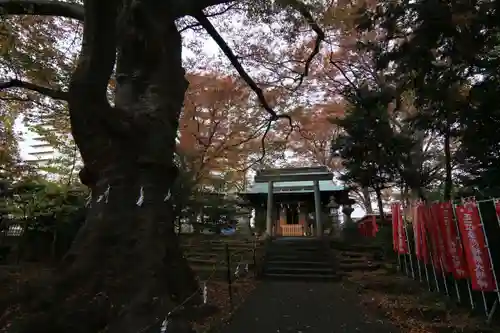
(304, 307)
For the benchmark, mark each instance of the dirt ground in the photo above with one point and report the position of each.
(410, 306)
(14, 277)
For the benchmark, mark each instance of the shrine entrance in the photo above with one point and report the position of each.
(294, 201)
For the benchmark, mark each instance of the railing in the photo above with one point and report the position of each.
(292, 230)
(231, 259)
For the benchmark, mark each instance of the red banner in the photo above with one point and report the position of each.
(420, 234)
(497, 209)
(453, 254)
(362, 229)
(431, 226)
(402, 245)
(476, 252)
(417, 235)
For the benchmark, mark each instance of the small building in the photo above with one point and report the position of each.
(295, 201)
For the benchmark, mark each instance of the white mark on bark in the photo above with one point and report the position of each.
(88, 203)
(105, 195)
(205, 293)
(140, 201)
(164, 325)
(167, 197)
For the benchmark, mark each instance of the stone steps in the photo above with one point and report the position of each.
(298, 259)
(302, 277)
(356, 258)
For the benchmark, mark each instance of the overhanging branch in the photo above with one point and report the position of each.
(49, 92)
(42, 7)
(320, 37)
(207, 25)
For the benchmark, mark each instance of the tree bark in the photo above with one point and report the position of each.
(367, 202)
(378, 193)
(448, 182)
(125, 270)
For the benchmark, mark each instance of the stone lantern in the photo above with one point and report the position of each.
(334, 214)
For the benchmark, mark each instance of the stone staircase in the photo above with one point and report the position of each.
(352, 258)
(298, 258)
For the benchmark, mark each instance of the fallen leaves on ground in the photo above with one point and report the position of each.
(410, 306)
(218, 295)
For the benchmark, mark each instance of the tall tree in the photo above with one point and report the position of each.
(127, 147)
(447, 54)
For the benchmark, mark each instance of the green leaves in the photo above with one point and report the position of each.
(43, 203)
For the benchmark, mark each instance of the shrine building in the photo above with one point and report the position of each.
(295, 201)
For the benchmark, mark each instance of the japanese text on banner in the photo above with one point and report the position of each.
(454, 253)
(473, 237)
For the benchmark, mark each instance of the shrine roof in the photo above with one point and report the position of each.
(294, 187)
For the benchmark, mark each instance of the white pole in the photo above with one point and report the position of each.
(443, 274)
(427, 276)
(416, 239)
(419, 271)
(459, 239)
(421, 227)
(406, 265)
(429, 246)
(409, 251)
(433, 267)
(440, 241)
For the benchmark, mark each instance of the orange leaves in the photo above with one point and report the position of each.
(219, 123)
(312, 143)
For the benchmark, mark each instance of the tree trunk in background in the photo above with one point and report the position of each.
(125, 270)
(367, 202)
(378, 193)
(448, 182)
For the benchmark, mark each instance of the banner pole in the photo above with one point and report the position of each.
(459, 238)
(406, 265)
(409, 253)
(405, 228)
(443, 275)
(441, 249)
(431, 250)
(400, 245)
(421, 230)
(419, 271)
(489, 252)
(416, 241)
(427, 276)
(433, 267)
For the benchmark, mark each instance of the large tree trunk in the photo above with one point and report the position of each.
(125, 270)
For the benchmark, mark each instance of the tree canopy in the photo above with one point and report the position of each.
(189, 95)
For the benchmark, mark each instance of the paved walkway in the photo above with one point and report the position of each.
(304, 307)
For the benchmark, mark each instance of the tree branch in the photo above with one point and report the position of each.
(41, 7)
(320, 37)
(50, 92)
(207, 25)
